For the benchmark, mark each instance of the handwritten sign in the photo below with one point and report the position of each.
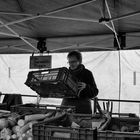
(40, 62)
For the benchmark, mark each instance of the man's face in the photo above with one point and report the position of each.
(73, 62)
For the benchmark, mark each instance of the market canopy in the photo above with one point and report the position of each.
(87, 25)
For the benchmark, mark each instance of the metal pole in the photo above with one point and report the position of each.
(7, 34)
(110, 28)
(75, 46)
(16, 34)
(69, 18)
(120, 80)
(115, 100)
(14, 13)
(109, 13)
(119, 55)
(13, 35)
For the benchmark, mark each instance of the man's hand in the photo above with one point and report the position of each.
(81, 86)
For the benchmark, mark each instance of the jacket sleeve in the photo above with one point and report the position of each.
(91, 90)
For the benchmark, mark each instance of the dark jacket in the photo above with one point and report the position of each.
(83, 103)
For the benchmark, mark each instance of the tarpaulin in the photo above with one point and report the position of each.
(104, 66)
(87, 25)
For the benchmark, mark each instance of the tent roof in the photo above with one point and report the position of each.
(88, 25)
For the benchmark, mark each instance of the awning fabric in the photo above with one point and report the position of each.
(87, 25)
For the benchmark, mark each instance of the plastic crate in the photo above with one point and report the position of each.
(34, 108)
(47, 132)
(58, 83)
(3, 106)
(116, 135)
(131, 123)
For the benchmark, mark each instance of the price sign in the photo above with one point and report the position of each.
(40, 62)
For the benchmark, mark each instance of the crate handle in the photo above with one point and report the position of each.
(58, 134)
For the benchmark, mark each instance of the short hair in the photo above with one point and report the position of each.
(76, 54)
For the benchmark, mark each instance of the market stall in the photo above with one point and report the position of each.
(44, 27)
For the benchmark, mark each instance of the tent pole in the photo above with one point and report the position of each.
(120, 81)
(14, 13)
(102, 10)
(110, 28)
(49, 13)
(75, 47)
(7, 34)
(16, 34)
(69, 18)
(119, 53)
(13, 35)
(109, 13)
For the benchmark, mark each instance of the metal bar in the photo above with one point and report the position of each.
(109, 13)
(14, 13)
(49, 13)
(110, 28)
(95, 100)
(7, 34)
(69, 18)
(20, 20)
(104, 106)
(62, 48)
(102, 11)
(120, 80)
(115, 100)
(21, 95)
(125, 16)
(10, 29)
(94, 47)
(13, 35)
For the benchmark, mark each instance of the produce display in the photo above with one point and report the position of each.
(25, 122)
(14, 126)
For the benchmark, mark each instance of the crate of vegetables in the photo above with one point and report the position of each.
(117, 135)
(50, 125)
(63, 126)
(39, 108)
(46, 132)
(57, 83)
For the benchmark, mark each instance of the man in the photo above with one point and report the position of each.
(87, 85)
